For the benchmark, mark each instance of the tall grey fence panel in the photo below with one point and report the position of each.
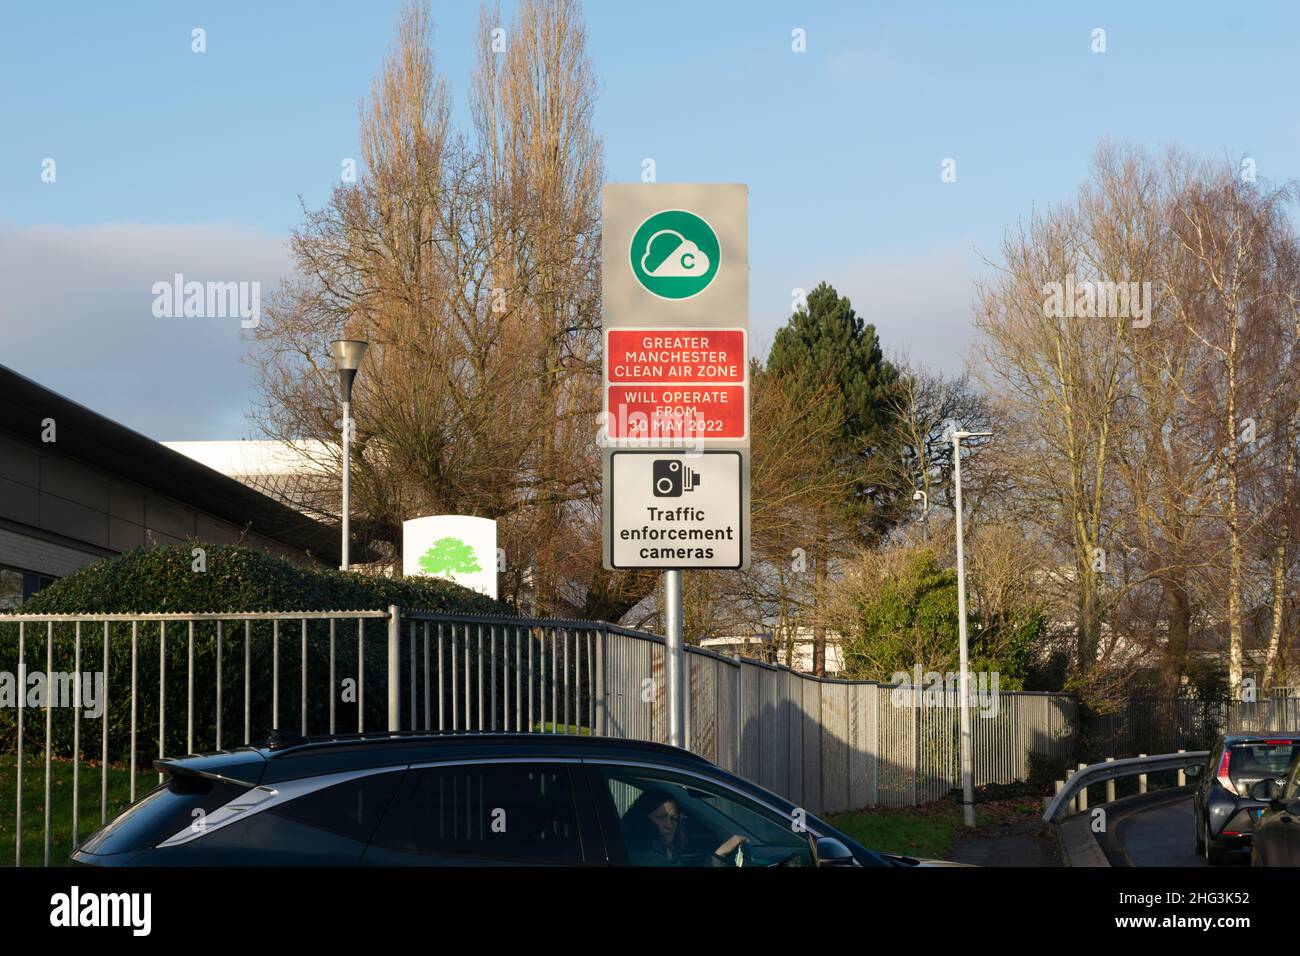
(635, 691)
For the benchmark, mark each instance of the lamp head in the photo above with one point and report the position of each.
(348, 354)
(347, 357)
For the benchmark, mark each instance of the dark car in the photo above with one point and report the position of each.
(1223, 807)
(464, 800)
(1277, 830)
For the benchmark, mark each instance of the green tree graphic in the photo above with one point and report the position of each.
(449, 555)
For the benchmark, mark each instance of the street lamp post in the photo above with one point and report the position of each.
(963, 682)
(347, 357)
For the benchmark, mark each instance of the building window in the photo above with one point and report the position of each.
(17, 587)
(11, 589)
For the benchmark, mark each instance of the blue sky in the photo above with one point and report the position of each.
(170, 161)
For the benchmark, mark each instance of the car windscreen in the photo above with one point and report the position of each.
(1261, 758)
(161, 813)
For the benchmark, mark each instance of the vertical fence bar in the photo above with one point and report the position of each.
(740, 717)
(76, 732)
(220, 635)
(394, 669)
(275, 673)
(414, 724)
(602, 712)
(189, 694)
(519, 690)
(333, 690)
(468, 701)
(103, 729)
(428, 691)
(302, 677)
(361, 675)
(555, 685)
(162, 691)
(248, 670)
(453, 677)
(492, 659)
(530, 680)
(22, 705)
(479, 688)
(134, 649)
(591, 682)
(565, 632)
(49, 727)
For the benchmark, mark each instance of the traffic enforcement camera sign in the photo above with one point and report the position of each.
(676, 510)
(675, 308)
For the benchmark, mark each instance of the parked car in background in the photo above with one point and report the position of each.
(464, 800)
(1223, 806)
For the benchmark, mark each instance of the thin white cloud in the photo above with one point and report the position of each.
(919, 300)
(77, 317)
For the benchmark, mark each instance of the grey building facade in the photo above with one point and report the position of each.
(76, 487)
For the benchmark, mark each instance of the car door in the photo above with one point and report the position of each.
(485, 813)
(711, 824)
(1277, 835)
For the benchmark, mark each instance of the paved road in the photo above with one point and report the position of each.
(1161, 834)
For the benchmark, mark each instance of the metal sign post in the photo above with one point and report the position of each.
(675, 657)
(675, 435)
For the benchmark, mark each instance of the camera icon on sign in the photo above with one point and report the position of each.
(671, 478)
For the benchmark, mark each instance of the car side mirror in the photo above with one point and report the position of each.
(1194, 772)
(1264, 790)
(831, 852)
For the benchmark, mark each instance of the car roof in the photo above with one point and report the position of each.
(1242, 738)
(290, 757)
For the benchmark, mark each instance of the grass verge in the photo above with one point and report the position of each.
(33, 820)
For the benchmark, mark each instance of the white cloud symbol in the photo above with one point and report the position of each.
(684, 262)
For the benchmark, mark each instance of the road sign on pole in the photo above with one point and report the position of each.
(675, 438)
(671, 510)
(675, 308)
(675, 286)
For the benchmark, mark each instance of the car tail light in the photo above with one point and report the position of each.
(1222, 776)
(1279, 743)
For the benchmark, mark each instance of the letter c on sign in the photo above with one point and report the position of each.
(688, 261)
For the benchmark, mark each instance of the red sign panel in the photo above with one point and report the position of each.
(675, 411)
(661, 356)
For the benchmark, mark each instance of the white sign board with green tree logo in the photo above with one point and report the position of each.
(460, 548)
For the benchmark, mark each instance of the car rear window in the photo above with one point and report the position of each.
(351, 809)
(1261, 759)
(161, 813)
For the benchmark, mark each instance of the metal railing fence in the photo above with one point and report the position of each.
(153, 685)
(1159, 725)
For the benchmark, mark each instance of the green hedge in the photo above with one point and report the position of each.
(157, 580)
(235, 580)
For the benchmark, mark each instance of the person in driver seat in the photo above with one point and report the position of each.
(655, 837)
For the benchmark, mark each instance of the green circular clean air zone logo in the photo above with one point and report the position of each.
(675, 254)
